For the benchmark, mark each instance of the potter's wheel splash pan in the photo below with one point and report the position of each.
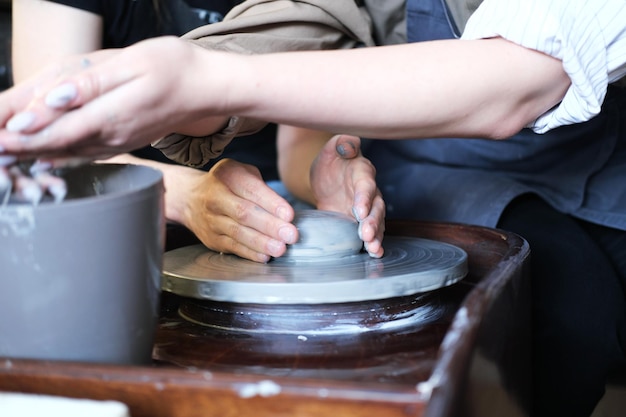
(410, 266)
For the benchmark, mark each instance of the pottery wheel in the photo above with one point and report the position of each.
(409, 266)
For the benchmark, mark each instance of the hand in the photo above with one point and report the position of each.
(343, 180)
(232, 210)
(103, 103)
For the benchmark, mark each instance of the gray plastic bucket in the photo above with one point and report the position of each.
(80, 280)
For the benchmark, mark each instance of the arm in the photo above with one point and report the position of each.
(297, 149)
(30, 51)
(216, 206)
(451, 88)
(481, 88)
(609, 44)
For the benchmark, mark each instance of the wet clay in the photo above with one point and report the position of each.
(323, 234)
(315, 272)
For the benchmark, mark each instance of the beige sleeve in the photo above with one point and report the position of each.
(265, 26)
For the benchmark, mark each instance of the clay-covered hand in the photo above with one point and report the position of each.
(103, 103)
(232, 210)
(343, 180)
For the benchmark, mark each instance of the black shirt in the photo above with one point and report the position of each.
(129, 21)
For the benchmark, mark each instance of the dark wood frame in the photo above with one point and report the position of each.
(491, 329)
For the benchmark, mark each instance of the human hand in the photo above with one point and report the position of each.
(343, 180)
(102, 103)
(232, 210)
(28, 184)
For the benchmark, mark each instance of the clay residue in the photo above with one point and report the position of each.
(17, 220)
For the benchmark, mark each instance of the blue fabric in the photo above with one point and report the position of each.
(579, 170)
(565, 192)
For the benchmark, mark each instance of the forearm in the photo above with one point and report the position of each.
(297, 149)
(80, 32)
(176, 180)
(483, 88)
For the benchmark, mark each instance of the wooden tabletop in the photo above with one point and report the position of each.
(471, 348)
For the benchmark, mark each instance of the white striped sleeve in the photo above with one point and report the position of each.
(588, 36)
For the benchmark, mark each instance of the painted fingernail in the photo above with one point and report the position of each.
(60, 96)
(345, 149)
(20, 121)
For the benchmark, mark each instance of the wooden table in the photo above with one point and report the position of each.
(471, 358)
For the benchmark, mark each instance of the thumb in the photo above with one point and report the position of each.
(347, 146)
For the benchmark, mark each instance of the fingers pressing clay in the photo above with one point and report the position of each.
(25, 189)
(55, 186)
(29, 187)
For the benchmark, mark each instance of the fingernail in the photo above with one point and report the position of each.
(60, 96)
(356, 214)
(20, 121)
(283, 213)
(286, 234)
(342, 151)
(7, 160)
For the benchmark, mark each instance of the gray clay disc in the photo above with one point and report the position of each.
(409, 266)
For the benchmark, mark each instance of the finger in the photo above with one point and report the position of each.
(34, 103)
(26, 189)
(92, 132)
(55, 139)
(347, 146)
(372, 228)
(264, 197)
(270, 201)
(365, 193)
(240, 217)
(18, 97)
(47, 164)
(250, 217)
(55, 186)
(245, 182)
(46, 127)
(230, 246)
(248, 243)
(365, 188)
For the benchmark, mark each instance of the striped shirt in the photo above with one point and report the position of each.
(589, 36)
